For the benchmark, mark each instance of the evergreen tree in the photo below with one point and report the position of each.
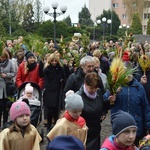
(38, 12)
(136, 26)
(68, 21)
(85, 17)
(28, 21)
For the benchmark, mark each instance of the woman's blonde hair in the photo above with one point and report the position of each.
(97, 53)
(96, 60)
(51, 58)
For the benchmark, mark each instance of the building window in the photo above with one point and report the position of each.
(115, 5)
(123, 5)
(147, 4)
(146, 15)
(134, 4)
(124, 16)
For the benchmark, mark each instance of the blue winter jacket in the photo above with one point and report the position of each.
(132, 99)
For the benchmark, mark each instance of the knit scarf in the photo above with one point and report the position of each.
(91, 96)
(4, 63)
(80, 121)
(31, 66)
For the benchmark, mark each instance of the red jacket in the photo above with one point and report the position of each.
(29, 76)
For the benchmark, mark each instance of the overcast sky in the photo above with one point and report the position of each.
(73, 8)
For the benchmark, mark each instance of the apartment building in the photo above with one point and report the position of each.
(146, 15)
(119, 7)
(96, 8)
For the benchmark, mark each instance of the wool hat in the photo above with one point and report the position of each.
(121, 121)
(73, 101)
(19, 108)
(29, 54)
(28, 88)
(111, 54)
(126, 56)
(65, 142)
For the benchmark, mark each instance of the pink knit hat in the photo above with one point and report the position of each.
(19, 108)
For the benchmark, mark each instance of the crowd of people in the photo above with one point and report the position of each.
(75, 96)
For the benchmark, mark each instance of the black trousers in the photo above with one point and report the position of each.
(3, 110)
(50, 114)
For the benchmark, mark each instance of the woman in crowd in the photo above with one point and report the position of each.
(94, 110)
(7, 73)
(97, 66)
(53, 77)
(28, 71)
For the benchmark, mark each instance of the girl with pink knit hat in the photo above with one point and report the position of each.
(21, 135)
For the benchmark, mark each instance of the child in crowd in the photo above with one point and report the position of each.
(71, 123)
(124, 132)
(28, 94)
(66, 142)
(21, 135)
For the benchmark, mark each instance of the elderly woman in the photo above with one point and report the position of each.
(94, 110)
(7, 72)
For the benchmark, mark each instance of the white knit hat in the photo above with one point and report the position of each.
(28, 88)
(73, 101)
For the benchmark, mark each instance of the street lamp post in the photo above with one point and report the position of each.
(104, 22)
(54, 15)
(95, 24)
(125, 28)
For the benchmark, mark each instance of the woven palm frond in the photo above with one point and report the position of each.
(118, 75)
(144, 62)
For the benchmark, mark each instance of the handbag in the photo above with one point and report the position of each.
(10, 88)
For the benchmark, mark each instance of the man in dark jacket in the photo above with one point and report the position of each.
(76, 79)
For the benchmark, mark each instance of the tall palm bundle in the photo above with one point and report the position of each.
(85, 40)
(118, 75)
(144, 62)
(37, 46)
(77, 57)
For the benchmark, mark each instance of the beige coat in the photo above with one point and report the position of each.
(65, 127)
(15, 141)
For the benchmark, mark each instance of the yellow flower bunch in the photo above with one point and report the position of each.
(144, 62)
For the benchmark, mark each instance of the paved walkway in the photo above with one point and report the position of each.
(106, 128)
